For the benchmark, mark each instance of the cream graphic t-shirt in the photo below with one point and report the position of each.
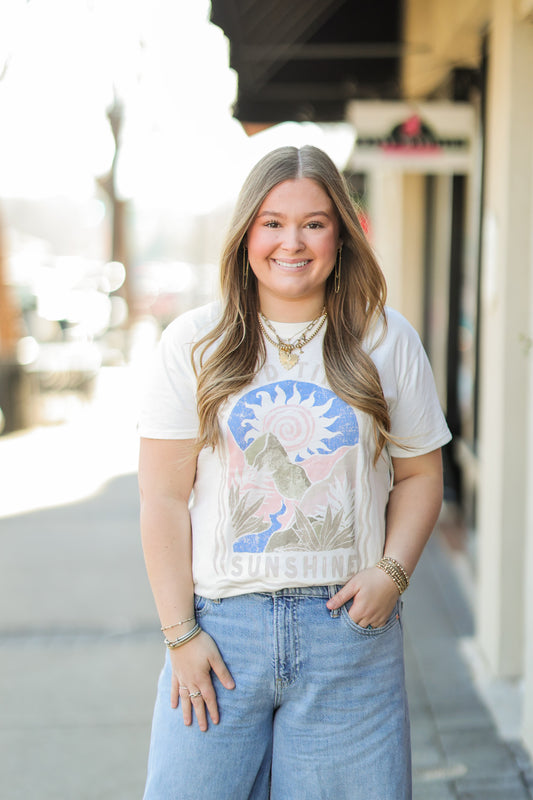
(291, 497)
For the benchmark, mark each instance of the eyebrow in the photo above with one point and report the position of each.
(306, 216)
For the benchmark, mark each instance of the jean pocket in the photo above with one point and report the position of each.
(201, 605)
(392, 621)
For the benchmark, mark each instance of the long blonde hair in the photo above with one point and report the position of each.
(240, 349)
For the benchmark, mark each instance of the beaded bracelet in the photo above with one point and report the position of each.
(396, 571)
(175, 625)
(181, 640)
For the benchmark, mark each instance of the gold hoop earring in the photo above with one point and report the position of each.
(337, 274)
(245, 268)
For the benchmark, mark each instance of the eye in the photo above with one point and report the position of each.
(272, 223)
(314, 225)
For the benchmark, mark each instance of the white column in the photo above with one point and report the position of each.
(413, 225)
(396, 215)
(528, 637)
(505, 401)
(386, 210)
(528, 628)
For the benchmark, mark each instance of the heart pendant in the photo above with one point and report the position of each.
(288, 360)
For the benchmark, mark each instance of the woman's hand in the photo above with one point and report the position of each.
(191, 673)
(413, 508)
(374, 596)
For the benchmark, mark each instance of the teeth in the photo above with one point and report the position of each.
(287, 264)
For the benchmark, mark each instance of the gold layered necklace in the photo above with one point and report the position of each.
(287, 349)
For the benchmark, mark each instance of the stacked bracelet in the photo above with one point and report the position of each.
(184, 639)
(395, 570)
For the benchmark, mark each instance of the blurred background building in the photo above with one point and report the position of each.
(428, 109)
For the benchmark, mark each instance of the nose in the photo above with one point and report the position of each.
(292, 239)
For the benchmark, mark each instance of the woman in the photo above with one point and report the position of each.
(290, 476)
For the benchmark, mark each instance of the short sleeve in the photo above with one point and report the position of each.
(417, 420)
(168, 407)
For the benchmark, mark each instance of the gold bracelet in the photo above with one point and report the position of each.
(396, 571)
(400, 567)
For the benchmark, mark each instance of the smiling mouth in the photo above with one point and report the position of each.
(292, 264)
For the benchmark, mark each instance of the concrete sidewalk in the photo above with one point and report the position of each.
(458, 753)
(80, 651)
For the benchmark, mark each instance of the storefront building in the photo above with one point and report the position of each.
(494, 380)
(442, 110)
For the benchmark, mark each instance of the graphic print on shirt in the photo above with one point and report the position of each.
(292, 476)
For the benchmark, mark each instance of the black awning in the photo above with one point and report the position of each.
(305, 60)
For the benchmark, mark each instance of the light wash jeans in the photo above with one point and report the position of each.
(319, 710)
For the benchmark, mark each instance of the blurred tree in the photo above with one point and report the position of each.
(9, 311)
(119, 207)
(14, 404)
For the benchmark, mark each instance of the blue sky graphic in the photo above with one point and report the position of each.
(343, 427)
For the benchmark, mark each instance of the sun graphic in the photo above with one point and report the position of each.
(301, 425)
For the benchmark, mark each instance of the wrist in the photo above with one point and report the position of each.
(183, 639)
(395, 571)
(176, 627)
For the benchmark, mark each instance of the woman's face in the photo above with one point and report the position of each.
(292, 247)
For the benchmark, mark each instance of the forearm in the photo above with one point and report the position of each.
(413, 509)
(167, 470)
(166, 540)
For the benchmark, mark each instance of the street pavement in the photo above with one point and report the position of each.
(80, 646)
